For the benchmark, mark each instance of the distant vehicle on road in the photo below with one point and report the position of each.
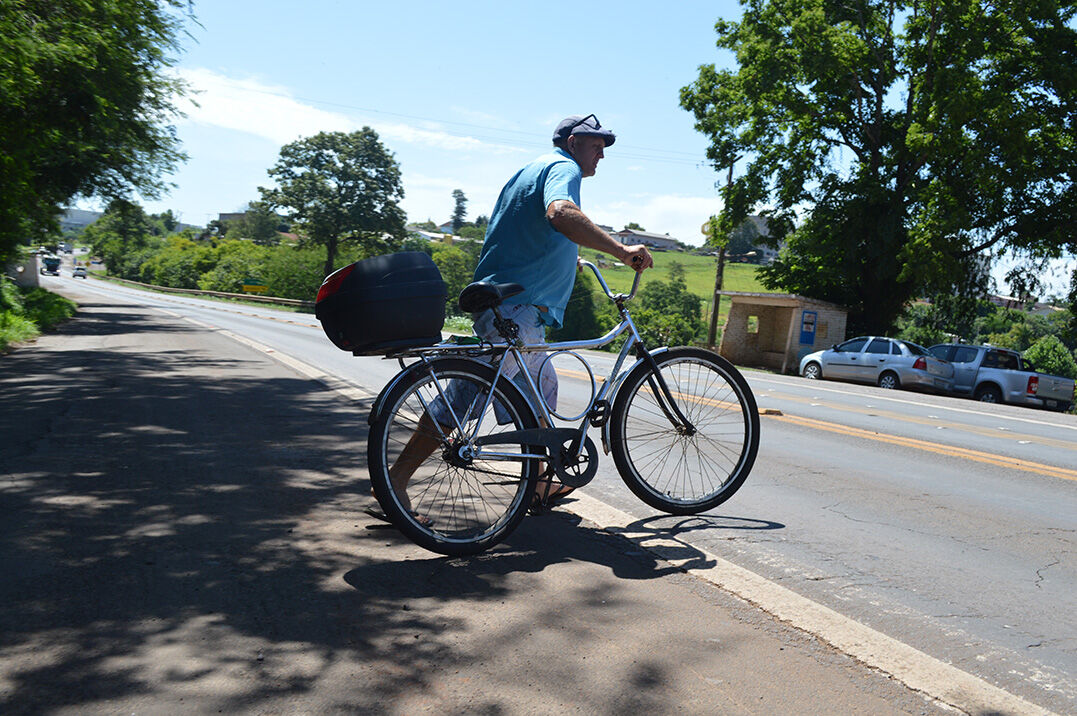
(886, 362)
(79, 272)
(50, 264)
(997, 375)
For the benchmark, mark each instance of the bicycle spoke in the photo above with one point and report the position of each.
(677, 468)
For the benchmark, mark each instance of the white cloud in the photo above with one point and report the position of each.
(679, 216)
(252, 106)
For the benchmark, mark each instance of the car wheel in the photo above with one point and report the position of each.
(813, 371)
(989, 394)
(889, 381)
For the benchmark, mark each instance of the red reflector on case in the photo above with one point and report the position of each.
(332, 282)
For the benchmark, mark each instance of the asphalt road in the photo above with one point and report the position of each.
(139, 432)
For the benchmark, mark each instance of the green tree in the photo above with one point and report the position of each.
(633, 226)
(165, 222)
(122, 237)
(668, 314)
(338, 188)
(470, 231)
(259, 224)
(459, 209)
(913, 135)
(236, 261)
(85, 106)
(179, 263)
(456, 267)
(586, 315)
(1048, 355)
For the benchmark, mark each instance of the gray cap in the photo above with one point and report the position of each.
(587, 126)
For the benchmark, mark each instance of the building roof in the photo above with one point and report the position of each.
(780, 299)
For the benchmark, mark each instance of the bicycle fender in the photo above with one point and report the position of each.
(616, 387)
(379, 402)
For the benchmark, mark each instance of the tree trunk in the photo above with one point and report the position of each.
(712, 332)
(330, 255)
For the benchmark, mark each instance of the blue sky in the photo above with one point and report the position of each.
(463, 93)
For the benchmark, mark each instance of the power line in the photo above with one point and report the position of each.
(519, 138)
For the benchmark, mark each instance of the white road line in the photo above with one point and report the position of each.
(912, 667)
(756, 377)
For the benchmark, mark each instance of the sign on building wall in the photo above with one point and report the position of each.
(807, 327)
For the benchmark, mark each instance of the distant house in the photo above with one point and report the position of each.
(1028, 306)
(656, 241)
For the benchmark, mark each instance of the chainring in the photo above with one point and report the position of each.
(578, 471)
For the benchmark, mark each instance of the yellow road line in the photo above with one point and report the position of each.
(938, 448)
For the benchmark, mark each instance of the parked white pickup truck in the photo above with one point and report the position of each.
(996, 375)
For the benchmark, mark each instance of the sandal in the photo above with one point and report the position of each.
(378, 513)
(548, 493)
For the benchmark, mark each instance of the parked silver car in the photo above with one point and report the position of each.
(886, 362)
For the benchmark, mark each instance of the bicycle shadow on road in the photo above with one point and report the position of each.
(649, 548)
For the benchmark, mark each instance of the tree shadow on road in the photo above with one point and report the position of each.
(180, 526)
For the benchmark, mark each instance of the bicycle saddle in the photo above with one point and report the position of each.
(481, 295)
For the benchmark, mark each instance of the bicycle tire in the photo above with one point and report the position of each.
(674, 472)
(471, 507)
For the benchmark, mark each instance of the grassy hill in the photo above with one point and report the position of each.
(698, 273)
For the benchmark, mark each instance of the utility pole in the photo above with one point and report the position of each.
(712, 332)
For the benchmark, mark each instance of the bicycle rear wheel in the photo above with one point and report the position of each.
(680, 471)
(451, 504)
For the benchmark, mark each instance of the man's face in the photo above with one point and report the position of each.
(586, 151)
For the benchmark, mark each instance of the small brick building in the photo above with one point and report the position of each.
(775, 330)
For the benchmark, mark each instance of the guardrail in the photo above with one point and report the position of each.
(294, 302)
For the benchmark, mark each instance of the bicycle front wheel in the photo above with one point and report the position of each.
(452, 503)
(677, 470)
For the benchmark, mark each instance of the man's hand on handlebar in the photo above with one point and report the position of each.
(638, 257)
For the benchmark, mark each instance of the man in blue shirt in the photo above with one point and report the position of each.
(537, 226)
(533, 239)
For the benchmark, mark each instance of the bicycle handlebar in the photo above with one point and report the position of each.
(606, 289)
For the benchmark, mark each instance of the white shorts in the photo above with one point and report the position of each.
(532, 330)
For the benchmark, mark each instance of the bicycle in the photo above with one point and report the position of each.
(681, 423)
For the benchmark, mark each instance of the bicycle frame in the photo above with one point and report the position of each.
(550, 436)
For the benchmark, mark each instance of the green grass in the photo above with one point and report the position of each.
(698, 275)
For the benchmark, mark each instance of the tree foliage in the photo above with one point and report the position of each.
(585, 315)
(459, 211)
(85, 106)
(456, 268)
(123, 237)
(911, 138)
(1048, 355)
(259, 224)
(340, 188)
(668, 314)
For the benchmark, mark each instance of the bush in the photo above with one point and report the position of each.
(15, 329)
(236, 261)
(25, 313)
(291, 272)
(669, 315)
(457, 268)
(1048, 355)
(46, 309)
(586, 315)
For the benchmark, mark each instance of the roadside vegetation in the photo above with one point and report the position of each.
(26, 312)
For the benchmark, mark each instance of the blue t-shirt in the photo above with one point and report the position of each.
(522, 247)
